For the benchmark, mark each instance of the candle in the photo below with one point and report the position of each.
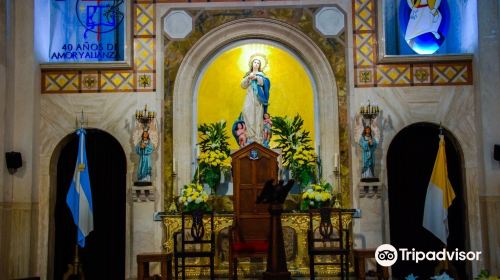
(336, 161)
(174, 167)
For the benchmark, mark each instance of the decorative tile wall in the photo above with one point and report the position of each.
(139, 78)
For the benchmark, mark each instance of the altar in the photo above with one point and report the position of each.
(330, 86)
(295, 225)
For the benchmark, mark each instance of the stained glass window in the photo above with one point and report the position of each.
(84, 30)
(427, 27)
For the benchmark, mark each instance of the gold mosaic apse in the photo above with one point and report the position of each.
(220, 96)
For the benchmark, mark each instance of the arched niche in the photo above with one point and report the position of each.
(410, 161)
(108, 168)
(263, 29)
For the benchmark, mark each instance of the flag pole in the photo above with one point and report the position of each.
(79, 201)
(75, 270)
(446, 261)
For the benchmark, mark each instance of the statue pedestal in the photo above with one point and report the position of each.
(143, 193)
(370, 189)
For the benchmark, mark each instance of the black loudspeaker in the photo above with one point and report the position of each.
(13, 160)
(496, 152)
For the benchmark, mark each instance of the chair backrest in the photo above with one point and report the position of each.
(197, 228)
(252, 166)
(327, 226)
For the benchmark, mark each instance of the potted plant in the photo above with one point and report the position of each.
(298, 154)
(214, 154)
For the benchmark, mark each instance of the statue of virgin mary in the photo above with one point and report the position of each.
(257, 87)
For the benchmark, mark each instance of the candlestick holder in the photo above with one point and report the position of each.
(145, 117)
(369, 112)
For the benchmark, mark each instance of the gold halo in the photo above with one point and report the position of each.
(261, 57)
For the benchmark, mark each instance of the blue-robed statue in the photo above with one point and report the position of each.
(251, 120)
(368, 145)
(144, 149)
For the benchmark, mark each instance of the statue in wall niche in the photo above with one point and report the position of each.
(257, 87)
(368, 144)
(145, 140)
(144, 149)
(368, 141)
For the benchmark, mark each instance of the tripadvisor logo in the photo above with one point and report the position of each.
(387, 255)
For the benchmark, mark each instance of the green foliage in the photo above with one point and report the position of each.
(290, 136)
(214, 156)
(295, 144)
(211, 176)
(213, 137)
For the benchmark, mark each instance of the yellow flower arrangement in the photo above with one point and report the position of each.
(316, 196)
(215, 159)
(298, 155)
(193, 197)
(305, 156)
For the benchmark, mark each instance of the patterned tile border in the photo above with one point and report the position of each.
(368, 73)
(139, 78)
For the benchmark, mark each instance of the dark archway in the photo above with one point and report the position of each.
(104, 254)
(410, 161)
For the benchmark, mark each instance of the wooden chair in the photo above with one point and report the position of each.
(327, 238)
(252, 166)
(196, 239)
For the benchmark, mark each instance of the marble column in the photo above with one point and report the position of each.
(19, 128)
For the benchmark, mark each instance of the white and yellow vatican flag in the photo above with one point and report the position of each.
(439, 197)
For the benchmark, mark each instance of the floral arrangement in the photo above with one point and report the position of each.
(295, 143)
(316, 196)
(193, 197)
(304, 164)
(214, 153)
(215, 159)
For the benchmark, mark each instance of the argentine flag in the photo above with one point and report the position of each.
(439, 197)
(79, 198)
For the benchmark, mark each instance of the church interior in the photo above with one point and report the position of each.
(224, 139)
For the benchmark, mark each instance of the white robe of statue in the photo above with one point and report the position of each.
(425, 17)
(252, 112)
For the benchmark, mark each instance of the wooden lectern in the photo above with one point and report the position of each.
(253, 165)
(275, 195)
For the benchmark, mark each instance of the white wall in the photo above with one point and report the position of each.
(3, 171)
(488, 81)
(487, 77)
(19, 134)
